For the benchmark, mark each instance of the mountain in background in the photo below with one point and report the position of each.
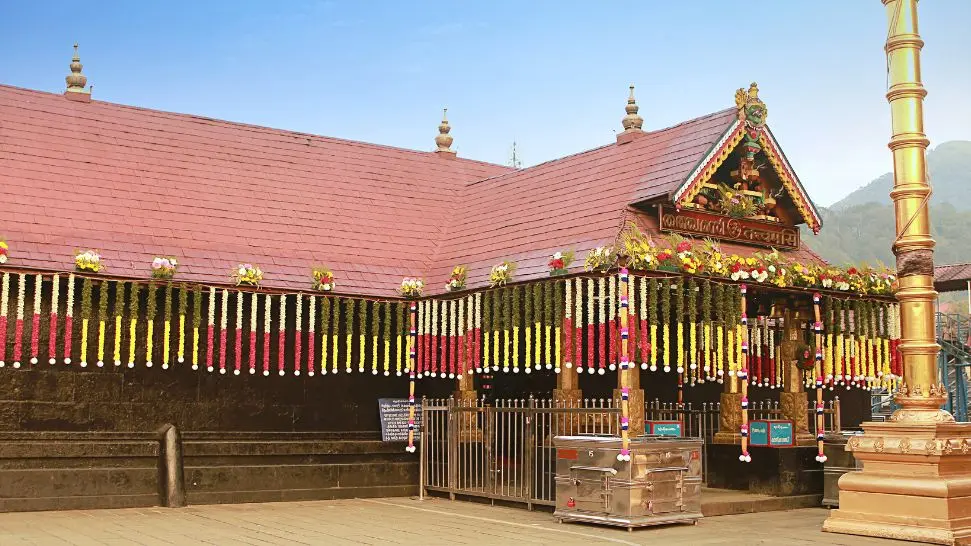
(860, 227)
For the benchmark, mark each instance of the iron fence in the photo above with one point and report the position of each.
(504, 451)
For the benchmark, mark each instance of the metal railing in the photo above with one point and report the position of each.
(503, 451)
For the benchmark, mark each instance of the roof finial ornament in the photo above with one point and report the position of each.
(632, 122)
(444, 140)
(76, 80)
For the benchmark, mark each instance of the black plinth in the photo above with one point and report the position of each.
(773, 471)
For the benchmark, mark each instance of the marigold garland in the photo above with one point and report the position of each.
(183, 307)
(196, 322)
(517, 296)
(839, 366)
(528, 328)
(102, 316)
(375, 328)
(335, 328)
(52, 328)
(653, 295)
(4, 297)
(487, 325)
(325, 317)
(167, 327)
(666, 323)
(692, 324)
(118, 310)
(386, 310)
(548, 295)
(134, 309)
(349, 336)
(85, 318)
(718, 297)
(537, 324)
(679, 320)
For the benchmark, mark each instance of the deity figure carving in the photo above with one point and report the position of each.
(752, 113)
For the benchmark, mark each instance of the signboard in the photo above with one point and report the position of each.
(758, 433)
(780, 433)
(394, 419)
(771, 433)
(663, 428)
(742, 230)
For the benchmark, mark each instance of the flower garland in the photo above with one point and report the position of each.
(4, 297)
(211, 326)
(183, 307)
(517, 293)
(706, 309)
(755, 373)
(223, 332)
(506, 327)
(4, 251)
(267, 314)
(19, 325)
(238, 336)
(666, 322)
(35, 319)
(548, 295)
(325, 316)
(601, 326)
(820, 408)
(828, 370)
(578, 327)
(775, 378)
(387, 309)
(487, 322)
(85, 318)
(477, 359)
(411, 377)
(558, 312)
(401, 330)
(717, 295)
(645, 346)
(336, 321)
(133, 305)
(537, 323)
(528, 320)
(452, 338)
(253, 310)
(68, 319)
(118, 310)
(282, 338)
(102, 315)
(612, 322)
(167, 327)
(349, 335)
(745, 456)
(601, 258)
(501, 274)
(679, 320)
(298, 335)
(375, 328)
(693, 325)
(590, 318)
(633, 329)
(196, 322)
(653, 296)
(840, 372)
(433, 346)
(52, 328)
(312, 337)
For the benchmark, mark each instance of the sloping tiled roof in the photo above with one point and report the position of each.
(135, 183)
(952, 277)
(578, 202)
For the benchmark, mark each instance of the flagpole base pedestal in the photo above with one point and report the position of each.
(915, 483)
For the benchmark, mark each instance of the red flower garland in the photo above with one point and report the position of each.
(282, 337)
(298, 336)
(52, 327)
(35, 322)
(68, 320)
(19, 325)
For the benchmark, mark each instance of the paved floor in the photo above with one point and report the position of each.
(393, 521)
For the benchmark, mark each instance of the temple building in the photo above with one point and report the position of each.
(261, 288)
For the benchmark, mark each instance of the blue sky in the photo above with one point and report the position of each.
(552, 76)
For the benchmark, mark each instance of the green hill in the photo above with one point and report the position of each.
(860, 228)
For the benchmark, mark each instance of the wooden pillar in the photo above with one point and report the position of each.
(793, 399)
(730, 413)
(632, 379)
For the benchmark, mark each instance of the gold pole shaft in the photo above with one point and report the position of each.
(914, 247)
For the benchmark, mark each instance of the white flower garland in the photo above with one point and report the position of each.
(38, 288)
(252, 326)
(267, 311)
(436, 312)
(462, 332)
(239, 327)
(55, 298)
(21, 294)
(311, 328)
(4, 297)
(452, 330)
(420, 321)
(283, 325)
(590, 317)
(642, 309)
(601, 319)
(770, 337)
(478, 324)
(299, 313)
(577, 317)
(611, 314)
(223, 321)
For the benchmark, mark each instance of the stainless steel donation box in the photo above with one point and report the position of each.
(661, 483)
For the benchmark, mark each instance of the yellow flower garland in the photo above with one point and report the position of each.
(719, 354)
(335, 328)
(131, 327)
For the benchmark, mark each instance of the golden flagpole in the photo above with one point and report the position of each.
(916, 477)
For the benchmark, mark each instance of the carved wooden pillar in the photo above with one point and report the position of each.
(793, 400)
(635, 401)
(465, 395)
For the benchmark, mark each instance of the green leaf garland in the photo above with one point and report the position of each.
(152, 301)
(558, 303)
(487, 317)
(197, 306)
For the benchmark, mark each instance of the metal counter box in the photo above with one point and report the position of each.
(661, 483)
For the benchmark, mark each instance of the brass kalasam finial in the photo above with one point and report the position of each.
(632, 122)
(444, 140)
(76, 80)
